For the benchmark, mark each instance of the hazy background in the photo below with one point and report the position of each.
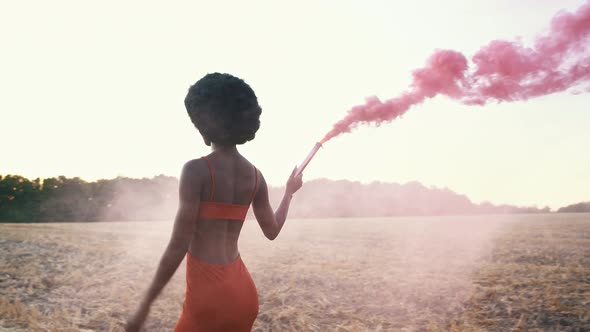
(96, 89)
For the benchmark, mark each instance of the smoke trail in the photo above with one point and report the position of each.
(503, 71)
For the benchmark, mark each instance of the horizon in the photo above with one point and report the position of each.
(271, 186)
(95, 91)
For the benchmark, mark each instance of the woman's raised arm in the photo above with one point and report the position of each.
(271, 222)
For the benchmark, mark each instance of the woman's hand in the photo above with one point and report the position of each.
(295, 182)
(135, 323)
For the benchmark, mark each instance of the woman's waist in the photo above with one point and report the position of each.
(201, 273)
(212, 257)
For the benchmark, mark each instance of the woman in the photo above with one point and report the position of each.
(215, 194)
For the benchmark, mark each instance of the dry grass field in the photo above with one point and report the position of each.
(493, 273)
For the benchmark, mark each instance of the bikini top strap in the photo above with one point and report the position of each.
(255, 186)
(212, 178)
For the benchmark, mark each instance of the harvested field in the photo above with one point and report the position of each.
(493, 273)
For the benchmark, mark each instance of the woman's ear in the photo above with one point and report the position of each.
(207, 141)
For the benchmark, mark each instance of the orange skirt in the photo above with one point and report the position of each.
(218, 297)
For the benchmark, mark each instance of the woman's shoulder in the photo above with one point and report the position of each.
(251, 165)
(195, 163)
(195, 167)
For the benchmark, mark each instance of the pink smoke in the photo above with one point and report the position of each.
(503, 71)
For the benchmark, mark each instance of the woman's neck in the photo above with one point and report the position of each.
(225, 149)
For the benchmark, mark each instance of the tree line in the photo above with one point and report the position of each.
(62, 199)
(575, 208)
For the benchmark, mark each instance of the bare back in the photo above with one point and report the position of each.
(216, 241)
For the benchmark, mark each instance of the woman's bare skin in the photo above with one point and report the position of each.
(214, 241)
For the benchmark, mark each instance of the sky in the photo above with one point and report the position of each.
(96, 89)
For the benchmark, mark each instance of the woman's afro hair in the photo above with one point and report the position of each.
(224, 109)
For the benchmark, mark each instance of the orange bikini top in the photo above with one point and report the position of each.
(226, 211)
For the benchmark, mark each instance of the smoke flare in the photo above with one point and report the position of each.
(502, 71)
